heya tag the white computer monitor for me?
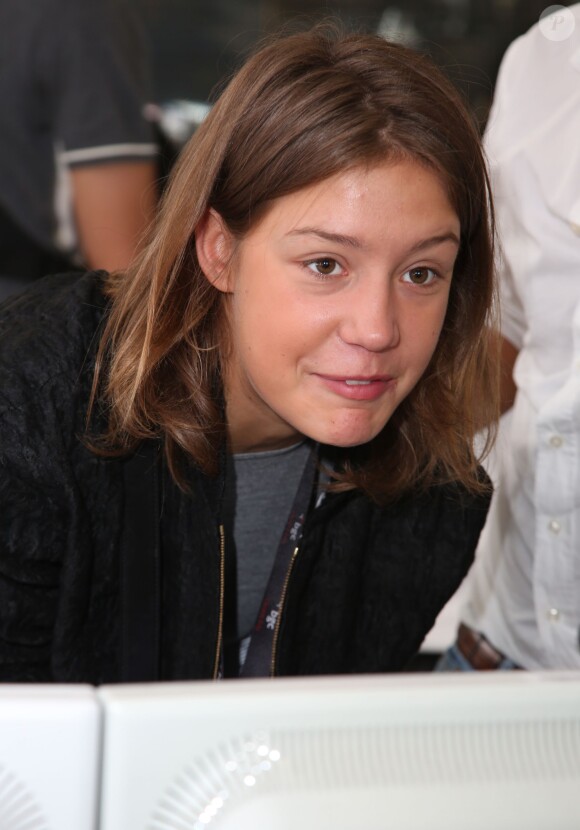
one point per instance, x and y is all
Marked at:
(487, 751)
(49, 757)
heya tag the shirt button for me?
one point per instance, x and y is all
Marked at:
(556, 441)
(553, 615)
(554, 526)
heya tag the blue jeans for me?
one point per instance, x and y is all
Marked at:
(453, 660)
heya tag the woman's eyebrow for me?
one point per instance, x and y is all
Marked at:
(338, 238)
(354, 242)
(438, 239)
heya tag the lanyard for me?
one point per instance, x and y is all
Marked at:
(259, 655)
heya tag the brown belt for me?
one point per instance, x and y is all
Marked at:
(478, 651)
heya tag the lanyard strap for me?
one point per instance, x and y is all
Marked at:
(259, 655)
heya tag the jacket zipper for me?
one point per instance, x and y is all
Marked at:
(280, 612)
(218, 650)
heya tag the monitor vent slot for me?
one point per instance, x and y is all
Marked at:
(18, 808)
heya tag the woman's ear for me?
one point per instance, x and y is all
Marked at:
(214, 245)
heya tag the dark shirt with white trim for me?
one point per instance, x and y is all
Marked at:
(73, 84)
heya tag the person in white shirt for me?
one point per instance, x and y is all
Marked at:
(523, 594)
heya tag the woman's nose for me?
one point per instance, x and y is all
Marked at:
(369, 317)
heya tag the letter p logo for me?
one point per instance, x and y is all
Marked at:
(557, 23)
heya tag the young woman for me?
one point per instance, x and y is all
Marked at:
(252, 453)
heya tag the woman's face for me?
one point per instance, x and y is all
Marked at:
(336, 300)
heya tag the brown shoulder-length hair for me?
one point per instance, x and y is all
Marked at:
(303, 108)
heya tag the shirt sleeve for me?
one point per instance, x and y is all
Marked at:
(34, 518)
(97, 71)
(44, 529)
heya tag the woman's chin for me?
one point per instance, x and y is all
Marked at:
(345, 438)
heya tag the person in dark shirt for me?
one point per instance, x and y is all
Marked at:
(252, 452)
(78, 159)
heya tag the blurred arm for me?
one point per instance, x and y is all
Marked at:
(113, 205)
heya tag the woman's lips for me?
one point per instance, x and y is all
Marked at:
(358, 388)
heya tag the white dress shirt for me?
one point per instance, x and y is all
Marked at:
(524, 590)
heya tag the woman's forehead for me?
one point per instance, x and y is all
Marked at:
(350, 207)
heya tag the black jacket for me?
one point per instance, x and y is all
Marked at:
(366, 587)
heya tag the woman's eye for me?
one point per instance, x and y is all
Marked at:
(420, 276)
(324, 267)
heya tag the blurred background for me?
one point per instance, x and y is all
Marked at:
(196, 44)
(82, 168)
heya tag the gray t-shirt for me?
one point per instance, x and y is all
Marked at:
(260, 490)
